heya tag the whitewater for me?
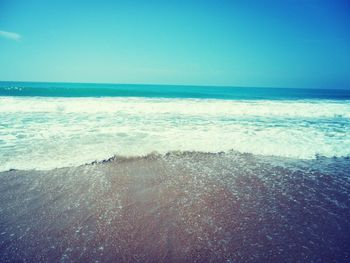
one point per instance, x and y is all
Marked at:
(52, 132)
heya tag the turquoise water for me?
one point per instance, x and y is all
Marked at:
(164, 91)
(48, 125)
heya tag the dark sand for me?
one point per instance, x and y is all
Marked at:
(181, 207)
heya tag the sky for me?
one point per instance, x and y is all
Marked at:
(270, 43)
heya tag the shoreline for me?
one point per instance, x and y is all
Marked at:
(282, 160)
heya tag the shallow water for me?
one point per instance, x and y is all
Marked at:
(179, 207)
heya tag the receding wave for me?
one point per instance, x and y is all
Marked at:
(179, 207)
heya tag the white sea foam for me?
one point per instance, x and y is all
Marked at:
(45, 133)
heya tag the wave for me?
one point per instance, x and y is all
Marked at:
(180, 107)
(45, 133)
(319, 162)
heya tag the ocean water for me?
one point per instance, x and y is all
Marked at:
(240, 175)
(50, 125)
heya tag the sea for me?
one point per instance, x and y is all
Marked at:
(51, 125)
(157, 173)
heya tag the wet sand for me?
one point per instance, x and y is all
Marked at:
(179, 207)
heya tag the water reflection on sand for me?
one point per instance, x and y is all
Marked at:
(178, 207)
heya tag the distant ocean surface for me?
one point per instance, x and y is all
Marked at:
(49, 125)
(52, 89)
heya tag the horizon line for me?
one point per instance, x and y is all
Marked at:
(178, 85)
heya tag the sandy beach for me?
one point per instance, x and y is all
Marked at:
(178, 207)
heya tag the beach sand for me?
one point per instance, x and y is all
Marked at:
(178, 207)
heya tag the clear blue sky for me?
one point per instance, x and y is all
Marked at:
(282, 43)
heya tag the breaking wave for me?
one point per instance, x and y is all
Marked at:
(45, 133)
